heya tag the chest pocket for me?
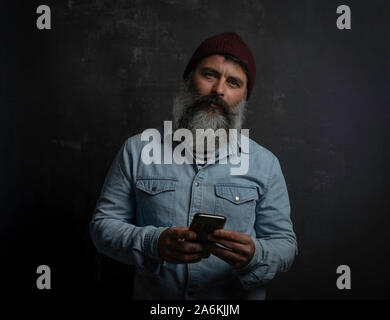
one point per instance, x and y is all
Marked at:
(237, 203)
(155, 199)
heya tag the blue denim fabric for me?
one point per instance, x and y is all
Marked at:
(139, 201)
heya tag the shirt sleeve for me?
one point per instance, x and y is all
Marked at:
(112, 227)
(275, 242)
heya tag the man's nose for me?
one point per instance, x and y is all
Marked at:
(219, 87)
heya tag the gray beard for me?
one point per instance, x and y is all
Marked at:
(202, 120)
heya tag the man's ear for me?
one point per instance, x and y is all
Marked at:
(189, 83)
(188, 79)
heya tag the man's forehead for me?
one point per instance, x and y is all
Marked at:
(218, 62)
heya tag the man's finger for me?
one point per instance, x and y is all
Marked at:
(240, 248)
(173, 260)
(182, 233)
(231, 235)
(188, 247)
(234, 259)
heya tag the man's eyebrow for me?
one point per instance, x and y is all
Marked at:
(238, 80)
(204, 69)
(209, 69)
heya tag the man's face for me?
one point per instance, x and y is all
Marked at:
(222, 77)
(214, 96)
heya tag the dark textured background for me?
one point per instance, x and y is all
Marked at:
(109, 69)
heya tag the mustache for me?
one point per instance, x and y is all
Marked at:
(205, 102)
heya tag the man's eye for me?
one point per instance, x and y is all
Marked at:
(234, 83)
(208, 75)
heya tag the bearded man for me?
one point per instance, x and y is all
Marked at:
(144, 211)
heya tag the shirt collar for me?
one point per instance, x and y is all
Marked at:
(235, 146)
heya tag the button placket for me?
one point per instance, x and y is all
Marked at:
(197, 192)
(195, 206)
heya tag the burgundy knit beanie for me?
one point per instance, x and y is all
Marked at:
(225, 43)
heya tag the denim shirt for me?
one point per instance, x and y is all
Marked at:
(138, 201)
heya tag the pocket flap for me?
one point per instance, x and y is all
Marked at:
(154, 186)
(236, 194)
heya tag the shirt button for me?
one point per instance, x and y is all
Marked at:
(237, 198)
(196, 184)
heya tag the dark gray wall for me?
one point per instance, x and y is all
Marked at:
(109, 69)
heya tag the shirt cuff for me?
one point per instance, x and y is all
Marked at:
(151, 241)
(244, 274)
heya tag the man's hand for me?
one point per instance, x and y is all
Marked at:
(174, 247)
(241, 247)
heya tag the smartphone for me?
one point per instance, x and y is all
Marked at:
(203, 224)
